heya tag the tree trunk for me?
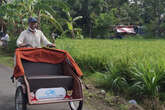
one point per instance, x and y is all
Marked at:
(86, 17)
(39, 19)
(73, 34)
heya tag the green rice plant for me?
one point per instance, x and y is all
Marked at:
(117, 77)
(132, 66)
(148, 78)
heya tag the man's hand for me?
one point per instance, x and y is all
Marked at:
(51, 45)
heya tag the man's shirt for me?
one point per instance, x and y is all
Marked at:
(35, 39)
(5, 38)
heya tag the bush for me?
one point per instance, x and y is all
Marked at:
(134, 67)
(12, 45)
(102, 24)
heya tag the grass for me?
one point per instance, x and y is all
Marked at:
(97, 53)
(6, 58)
(135, 67)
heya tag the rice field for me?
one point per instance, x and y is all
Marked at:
(96, 53)
(134, 66)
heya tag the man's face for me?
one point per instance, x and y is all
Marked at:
(33, 25)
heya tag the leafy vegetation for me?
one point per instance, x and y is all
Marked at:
(135, 67)
(6, 58)
(98, 17)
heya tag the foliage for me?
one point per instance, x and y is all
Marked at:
(11, 45)
(50, 15)
(76, 33)
(148, 78)
(6, 58)
(103, 23)
(98, 16)
(132, 67)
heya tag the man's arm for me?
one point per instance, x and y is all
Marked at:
(20, 40)
(46, 42)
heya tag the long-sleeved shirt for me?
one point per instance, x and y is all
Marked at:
(35, 39)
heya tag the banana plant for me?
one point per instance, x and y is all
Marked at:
(50, 17)
(70, 23)
(16, 13)
(50, 12)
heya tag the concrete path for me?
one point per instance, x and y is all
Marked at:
(7, 92)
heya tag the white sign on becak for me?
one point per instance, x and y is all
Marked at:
(47, 93)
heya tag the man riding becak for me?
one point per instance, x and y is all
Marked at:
(32, 37)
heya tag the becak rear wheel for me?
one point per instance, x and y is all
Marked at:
(76, 105)
(20, 99)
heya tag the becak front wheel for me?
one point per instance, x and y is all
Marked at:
(76, 105)
(20, 99)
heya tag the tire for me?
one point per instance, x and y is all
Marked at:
(76, 105)
(20, 99)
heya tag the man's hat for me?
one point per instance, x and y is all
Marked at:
(32, 20)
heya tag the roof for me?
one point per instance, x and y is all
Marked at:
(45, 55)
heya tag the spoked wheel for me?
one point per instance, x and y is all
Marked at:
(20, 99)
(76, 105)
